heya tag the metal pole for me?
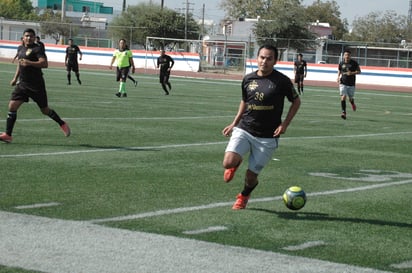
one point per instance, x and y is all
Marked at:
(186, 14)
(1, 27)
(63, 10)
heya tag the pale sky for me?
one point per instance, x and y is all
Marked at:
(350, 9)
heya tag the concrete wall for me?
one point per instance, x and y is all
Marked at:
(328, 73)
(190, 62)
(102, 56)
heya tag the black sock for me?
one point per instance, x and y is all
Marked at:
(69, 78)
(247, 190)
(11, 120)
(343, 104)
(54, 116)
(164, 88)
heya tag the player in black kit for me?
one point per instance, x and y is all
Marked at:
(300, 69)
(258, 123)
(72, 53)
(347, 71)
(29, 83)
(165, 62)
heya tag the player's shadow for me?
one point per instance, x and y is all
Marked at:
(91, 146)
(315, 216)
(120, 148)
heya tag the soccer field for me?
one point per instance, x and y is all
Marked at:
(151, 164)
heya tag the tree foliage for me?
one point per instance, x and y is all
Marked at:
(387, 27)
(144, 20)
(19, 10)
(280, 22)
(328, 12)
(245, 8)
(51, 24)
(282, 25)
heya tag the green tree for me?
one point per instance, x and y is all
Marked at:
(245, 8)
(51, 24)
(328, 12)
(282, 24)
(387, 27)
(144, 20)
(21, 10)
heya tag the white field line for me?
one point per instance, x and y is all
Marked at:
(305, 245)
(403, 265)
(205, 230)
(36, 206)
(63, 246)
(130, 118)
(191, 145)
(118, 149)
(52, 245)
(226, 204)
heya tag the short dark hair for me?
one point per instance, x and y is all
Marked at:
(300, 54)
(30, 30)
(347, 51)
(270, 47)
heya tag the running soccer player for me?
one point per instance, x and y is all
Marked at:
(29, 83)
(258, 123)
(347, 71)
(165, 62)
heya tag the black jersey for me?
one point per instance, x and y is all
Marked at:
(300, 66)
(30, 74)
(264, 98)
(72, 52)
(164, 62)
(346, 67)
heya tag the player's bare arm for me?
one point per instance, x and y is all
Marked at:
(293, 109)
(228, 129)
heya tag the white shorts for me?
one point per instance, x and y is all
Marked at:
(347, 90)
(261, 149)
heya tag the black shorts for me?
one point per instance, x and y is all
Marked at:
(299, 78)
(72, 67)
(121, 73)
(37, 92)
(164, 76)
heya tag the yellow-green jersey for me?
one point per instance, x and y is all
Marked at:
(123, 57)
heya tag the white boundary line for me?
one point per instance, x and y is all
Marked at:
(36, 206)
(227, 204)
(190, 145)
(53, 245)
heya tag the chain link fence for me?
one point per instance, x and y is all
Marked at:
(226, 53)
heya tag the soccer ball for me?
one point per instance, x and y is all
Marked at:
(294, 198)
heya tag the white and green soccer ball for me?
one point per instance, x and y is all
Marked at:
(294, 198)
